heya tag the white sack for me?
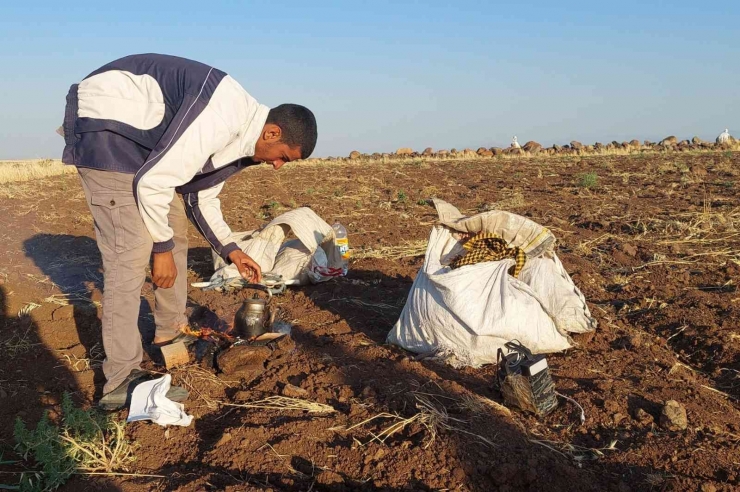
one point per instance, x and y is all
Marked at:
(297, 259)
(467, 314)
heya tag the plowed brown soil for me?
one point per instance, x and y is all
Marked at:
(653, 246)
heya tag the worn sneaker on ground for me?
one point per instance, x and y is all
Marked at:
(121, 396)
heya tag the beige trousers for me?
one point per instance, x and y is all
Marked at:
(126, 247)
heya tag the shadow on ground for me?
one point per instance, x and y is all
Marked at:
(389, 379)
(32, 381)
(74, 265)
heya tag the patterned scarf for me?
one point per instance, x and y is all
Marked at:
(485, 246)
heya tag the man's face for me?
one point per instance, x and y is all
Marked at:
(272, 150)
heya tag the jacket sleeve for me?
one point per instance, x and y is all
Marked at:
(204, 211)
(199, 129)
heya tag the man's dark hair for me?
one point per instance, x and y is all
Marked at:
(298, 125)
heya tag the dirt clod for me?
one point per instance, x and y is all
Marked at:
(644, 417)
(636, 340)
(629, 249)
(293, 391)
(224, 439)
(328, 477)
(281, 346)
(673, 416)
(243, 361)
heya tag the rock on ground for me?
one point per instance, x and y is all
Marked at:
(532, 147)
(669, 141)
(673, 416)
(292, 391)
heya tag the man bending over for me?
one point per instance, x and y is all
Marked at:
(142, 130)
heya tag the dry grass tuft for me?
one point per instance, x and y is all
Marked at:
(71, 298)
(477, 405)
(84, 442)
(284, 403)
(26, 309)
(399, 424)
(511, 200)
(406, 250)
(378, 307)
(576, 453)
(195, 378)
(19, 171)
(18, 343)
(94, 359)
(432, 416)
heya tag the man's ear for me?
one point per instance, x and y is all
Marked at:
(271, 132)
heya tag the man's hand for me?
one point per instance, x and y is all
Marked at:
(164, 271)
(248, 268)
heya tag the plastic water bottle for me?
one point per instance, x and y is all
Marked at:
(342, 243)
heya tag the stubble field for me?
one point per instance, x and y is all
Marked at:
(651, 240)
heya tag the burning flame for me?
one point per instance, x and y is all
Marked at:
(206, 334)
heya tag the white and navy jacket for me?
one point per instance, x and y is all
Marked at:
(178, 125)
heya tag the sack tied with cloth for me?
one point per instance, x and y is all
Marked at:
(488, 279)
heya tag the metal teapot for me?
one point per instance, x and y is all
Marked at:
(255, 316)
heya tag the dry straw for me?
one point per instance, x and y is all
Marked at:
(406, 250)
(433, 417)
(18, 171)
(284, 403)
(576, 453)
(191, 375)
(94, 456)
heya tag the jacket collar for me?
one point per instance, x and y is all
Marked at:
(243, 145)
(252, 130)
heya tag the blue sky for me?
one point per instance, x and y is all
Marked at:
(381, 75)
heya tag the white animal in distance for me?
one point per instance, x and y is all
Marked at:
(724, 137)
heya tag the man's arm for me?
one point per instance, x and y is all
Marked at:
(179, 156)
(199, 129)
(204, 211)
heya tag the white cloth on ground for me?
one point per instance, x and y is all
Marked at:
(149, 402)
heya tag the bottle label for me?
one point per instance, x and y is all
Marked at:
(343, 247)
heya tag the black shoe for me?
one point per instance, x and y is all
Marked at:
(121, 396)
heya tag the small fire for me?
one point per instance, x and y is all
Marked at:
(207, 334)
